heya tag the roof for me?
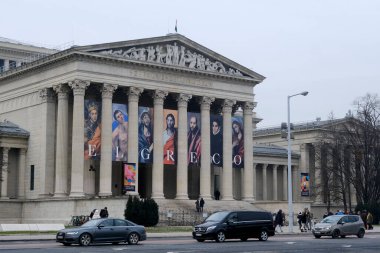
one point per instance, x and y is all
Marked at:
(8, 128)
(272, 150)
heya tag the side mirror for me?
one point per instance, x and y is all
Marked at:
(100, 226)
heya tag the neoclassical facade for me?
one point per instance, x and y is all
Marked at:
(162, 117)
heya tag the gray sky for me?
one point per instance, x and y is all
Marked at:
(330, 48)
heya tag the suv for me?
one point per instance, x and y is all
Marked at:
(235, 225)
(339, 225)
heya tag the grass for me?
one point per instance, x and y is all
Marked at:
(163, 229)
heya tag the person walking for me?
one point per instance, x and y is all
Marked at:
(369, 221)
(217, 194)
(279, 221)
(201, 205)
(197, 207)
(104, 213)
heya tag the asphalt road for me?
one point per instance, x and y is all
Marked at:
(283, 243)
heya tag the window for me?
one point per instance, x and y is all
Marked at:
(232, 217)
(107, 223)
(121, 223)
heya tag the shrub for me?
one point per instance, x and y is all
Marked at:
(142, 211)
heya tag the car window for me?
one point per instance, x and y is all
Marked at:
(121, 223)
(107, 223)
(345, 219)
(232, 217)
(353, 218)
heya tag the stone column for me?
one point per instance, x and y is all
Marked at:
(205, 174)
(105, 182)
(248, 152)
(227, 151)
(77, 158)
(182, 162)
(6, 65)
(62, 146)
(158, 149)
(254, 176)
(265, 180)
(285, 183)
(133, 125)
(47, 137)
(275, 197)
(21, 173)
(4, 174)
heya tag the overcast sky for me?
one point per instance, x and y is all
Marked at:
(330, 48)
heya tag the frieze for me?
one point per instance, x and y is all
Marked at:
(19, 102)
(174, 55)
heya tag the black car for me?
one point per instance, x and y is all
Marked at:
(235, 225)
(103, 231)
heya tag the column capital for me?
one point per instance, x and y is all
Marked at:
(206, 102)
(134, 93)
(108, 90)
(183, 99)
(275, 166)
(46, 95)
(159, 96)
(265, 165)
(79, 86)
(227, 105)
(62, 90)
(248, 107)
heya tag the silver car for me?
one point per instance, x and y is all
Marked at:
(103, 231)
(339, 225)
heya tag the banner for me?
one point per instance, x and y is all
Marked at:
(119, 132)
(92, 129)
(305, 184)
(129, 177)
(170, 136)
(216, 139)
(193, 138)
(237, 142)
(145, 135)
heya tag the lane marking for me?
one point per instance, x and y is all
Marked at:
(290, 243)
(346, 246)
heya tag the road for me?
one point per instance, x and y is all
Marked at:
(282, 243)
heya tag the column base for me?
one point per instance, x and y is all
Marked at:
(228, 198)
(105, 194)
(158, 196)
(59, 195)
(206, 197)
(182, 197)
(249, 199)
(76, 195)
(4, 197)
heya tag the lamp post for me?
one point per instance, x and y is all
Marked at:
(290, 194)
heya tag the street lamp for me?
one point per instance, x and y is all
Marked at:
(290, 197)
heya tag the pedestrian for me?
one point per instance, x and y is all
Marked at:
(363, 215)
(303, 220)
(217, 194)
(92, 213)
(197, 207)
(279, 220)
(104, 213)
(369, 221)
(299, 217)
(201, 205)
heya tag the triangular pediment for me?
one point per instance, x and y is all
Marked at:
(173, 50)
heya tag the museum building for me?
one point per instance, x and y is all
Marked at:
(162, 117)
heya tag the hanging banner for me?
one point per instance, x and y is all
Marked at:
(193, 138)
(119, 132)
(92, 129)
(145, 134)
(216, 139)
(129, 177)
(170, 136)
(305, 184)
(237, 142)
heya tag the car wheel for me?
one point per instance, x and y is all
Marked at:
(243, 239)
(220, 236)
(66, 244)
(361, 233)
(263, 235)
(85, 239)
(335, 234)
(317, 236)
(200, 240)
(133, 238)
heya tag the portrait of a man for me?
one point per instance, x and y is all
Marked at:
(92, 130)
(145, 135)
(216, 140)
(194, 139)
(170, 137)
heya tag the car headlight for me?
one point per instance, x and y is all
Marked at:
(210, 228)
(327, 228)
(72, 233)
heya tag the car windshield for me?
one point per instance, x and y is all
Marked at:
(331, 219)
(91, 223)
(216, 216)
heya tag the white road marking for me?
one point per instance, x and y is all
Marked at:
(290, 242)
(346, 246)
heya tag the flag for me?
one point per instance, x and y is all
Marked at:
(175, 25)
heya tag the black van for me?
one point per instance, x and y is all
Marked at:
(235, 225)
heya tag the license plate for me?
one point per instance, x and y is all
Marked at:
(198, 234)
(60, 237)
(317, 233)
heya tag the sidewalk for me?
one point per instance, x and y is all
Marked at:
(43, 237)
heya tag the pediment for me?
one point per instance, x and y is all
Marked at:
(173, 50)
